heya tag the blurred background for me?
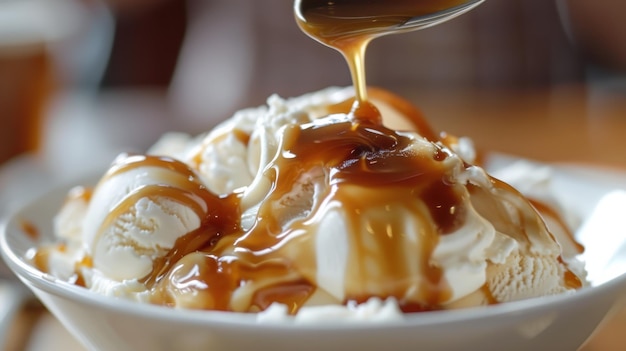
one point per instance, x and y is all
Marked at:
(217, 56)
(82, 80)
(185, 65)
(236, 53)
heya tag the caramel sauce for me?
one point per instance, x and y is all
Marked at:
(366, 166)
(370, 173)
(349, 25)
(547, 211)
(184, 186)
(30, 230)
(293, 295)
(79, 279)
(488, 296)
(358, 153)
(41, 256)
(363, 165)
(405, 109)
(571, 280)
(80, 192)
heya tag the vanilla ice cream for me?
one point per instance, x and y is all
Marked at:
(297, 207)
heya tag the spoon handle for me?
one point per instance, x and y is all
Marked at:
(420, 22)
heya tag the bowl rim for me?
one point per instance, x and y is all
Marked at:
(33, 277)
(46, 282)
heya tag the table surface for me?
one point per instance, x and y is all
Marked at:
(569, 123)
(579, 124)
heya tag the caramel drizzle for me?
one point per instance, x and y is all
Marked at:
(361, 154)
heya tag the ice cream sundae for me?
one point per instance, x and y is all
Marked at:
(301, 204)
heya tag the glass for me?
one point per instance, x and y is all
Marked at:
(36, 38)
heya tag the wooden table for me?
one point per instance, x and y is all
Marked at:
(569, 123)
(581, 124)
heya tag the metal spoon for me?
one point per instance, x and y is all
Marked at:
(349, 25)
(432, 19)
(334, 23)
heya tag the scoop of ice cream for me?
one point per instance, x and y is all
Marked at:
(300, 203)
(137, 212)
(381, 235)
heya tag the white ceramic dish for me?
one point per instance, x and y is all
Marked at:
(556, 323)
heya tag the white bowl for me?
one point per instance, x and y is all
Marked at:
(558, 322)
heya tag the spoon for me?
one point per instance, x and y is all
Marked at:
(349, 25)
(331, 21)
(420, 22)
